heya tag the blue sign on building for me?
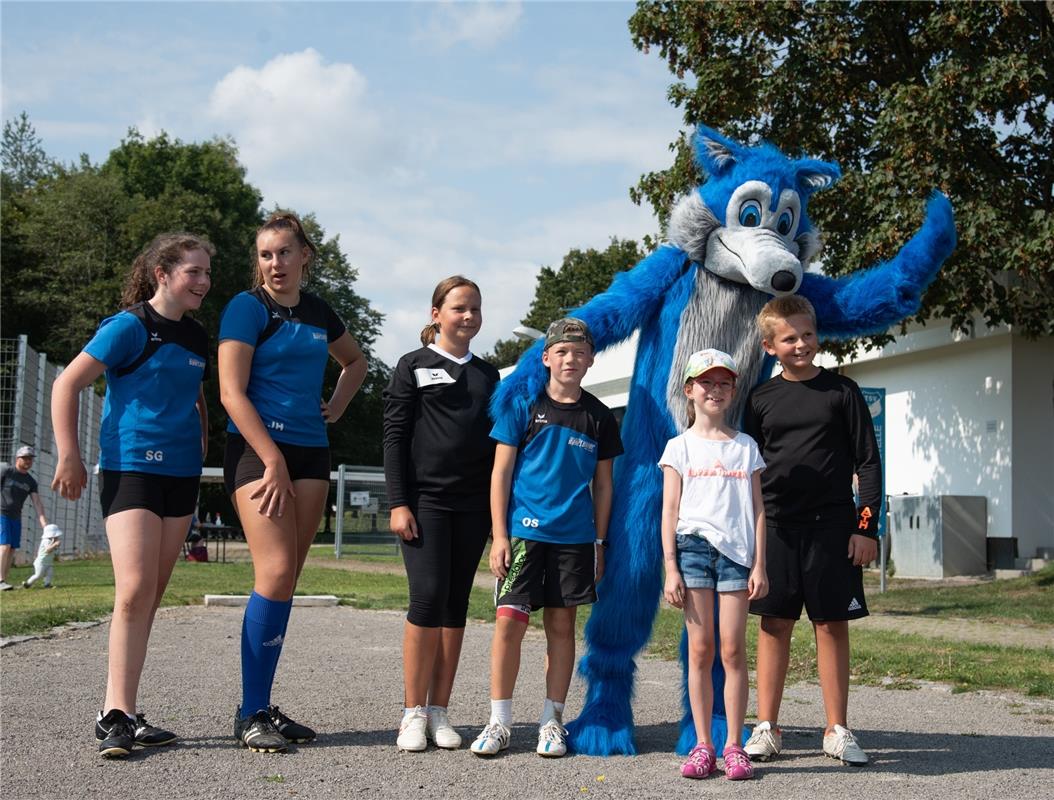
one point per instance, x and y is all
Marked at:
(876, 404)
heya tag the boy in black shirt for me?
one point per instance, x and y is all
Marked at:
(815, 433)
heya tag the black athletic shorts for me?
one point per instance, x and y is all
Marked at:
(241, 465)
(164, 495)
(811, 567)
(547, 575)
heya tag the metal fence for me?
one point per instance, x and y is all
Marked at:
(26, 377)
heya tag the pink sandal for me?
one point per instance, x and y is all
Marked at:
(702, 761)
(737, 763)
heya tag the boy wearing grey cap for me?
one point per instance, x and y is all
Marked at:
(16, 484)
(549, 530)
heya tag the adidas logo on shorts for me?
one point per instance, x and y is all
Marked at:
(854, 605)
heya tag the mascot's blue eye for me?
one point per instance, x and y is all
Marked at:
(783, 224)
(750, 214)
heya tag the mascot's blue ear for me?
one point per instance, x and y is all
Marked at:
(714, 153)
(813, 175)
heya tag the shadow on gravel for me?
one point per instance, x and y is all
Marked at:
(930, 753)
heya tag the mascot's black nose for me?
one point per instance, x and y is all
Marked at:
(783, 281)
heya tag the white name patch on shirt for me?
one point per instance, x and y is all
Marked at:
(432, 377)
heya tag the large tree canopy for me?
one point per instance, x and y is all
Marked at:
(70, 234)
(581, 275)
(906, 97)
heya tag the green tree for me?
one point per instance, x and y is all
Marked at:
(22, 154)
(581, 275)
(905, 97)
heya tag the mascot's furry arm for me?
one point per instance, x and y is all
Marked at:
(738, 239)
(871, 300)
(609, 317)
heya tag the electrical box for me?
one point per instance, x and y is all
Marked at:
(939, 536)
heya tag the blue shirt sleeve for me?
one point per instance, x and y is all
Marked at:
(119, 340)
(510, 428)
(243, 319)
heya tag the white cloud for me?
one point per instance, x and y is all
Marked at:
(296, 108)
(476, 24)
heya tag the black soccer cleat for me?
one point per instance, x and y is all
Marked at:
(259, 733)
(292, 731)
(148, 735)
(115, 734)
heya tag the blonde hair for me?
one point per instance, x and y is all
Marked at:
(166, 251)
(283, 221)
(443, 288)
(781, 308)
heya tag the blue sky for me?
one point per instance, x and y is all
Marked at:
(435, 138)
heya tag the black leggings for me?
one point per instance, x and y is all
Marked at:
(441, 564)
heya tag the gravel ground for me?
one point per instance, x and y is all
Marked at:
(340, 672)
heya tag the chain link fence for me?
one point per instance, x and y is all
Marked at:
(26, 377)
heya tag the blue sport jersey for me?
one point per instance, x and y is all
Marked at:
(154, 370)
(291, 350)
(559, 446)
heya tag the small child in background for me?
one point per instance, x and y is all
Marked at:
(43, 564)
(713, 541)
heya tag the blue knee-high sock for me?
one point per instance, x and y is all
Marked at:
(263, 631)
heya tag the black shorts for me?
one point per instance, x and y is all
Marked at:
(811, 567)
(547, 575)
(441, 564)
(241, 465)
(164, 495)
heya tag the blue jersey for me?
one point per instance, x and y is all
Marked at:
(291, 350)
(154, 370)
(559, 446)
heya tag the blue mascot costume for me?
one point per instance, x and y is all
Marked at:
(740, 238)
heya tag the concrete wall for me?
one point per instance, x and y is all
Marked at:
(949, 422)
(1033, 443)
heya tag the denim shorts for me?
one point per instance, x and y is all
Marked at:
(703, 567)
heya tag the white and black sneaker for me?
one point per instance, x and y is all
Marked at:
(258, 732)
(148, 735)
(115, 733)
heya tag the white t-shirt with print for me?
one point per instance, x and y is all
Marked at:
(716, 497)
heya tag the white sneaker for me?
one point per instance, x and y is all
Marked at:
(764, 743)
(413, 731)
(491, 740)
(552, 740)
(841, 744)
(441, 732)
(5, 586)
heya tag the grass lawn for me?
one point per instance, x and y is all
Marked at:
(85, 591)
(1028, 600)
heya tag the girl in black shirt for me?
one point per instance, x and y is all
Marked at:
(438, 457)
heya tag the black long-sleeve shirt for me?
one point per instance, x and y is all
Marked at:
(814, 435)
(437, 445)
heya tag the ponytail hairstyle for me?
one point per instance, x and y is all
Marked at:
(443, 288)
(283, 221)
(165, 251)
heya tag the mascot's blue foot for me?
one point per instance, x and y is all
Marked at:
(605, 726)
(596, 733)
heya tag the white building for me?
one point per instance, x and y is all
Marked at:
(965, 415)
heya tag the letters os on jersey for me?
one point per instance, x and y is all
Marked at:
(154, 370)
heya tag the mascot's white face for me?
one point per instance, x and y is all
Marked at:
(757, 244)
